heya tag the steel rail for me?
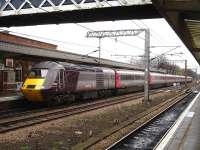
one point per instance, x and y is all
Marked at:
(29, 119)
(170, 103)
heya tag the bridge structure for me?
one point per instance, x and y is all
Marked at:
(182, 15)
(32, 12)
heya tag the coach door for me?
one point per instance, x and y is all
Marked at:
(62, 79)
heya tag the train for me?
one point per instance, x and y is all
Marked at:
(50, 81)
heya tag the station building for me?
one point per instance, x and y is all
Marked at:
(14, 67)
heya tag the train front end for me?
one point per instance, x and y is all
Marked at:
(34, 85)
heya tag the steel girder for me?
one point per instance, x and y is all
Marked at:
(16, 7)
(37, 12)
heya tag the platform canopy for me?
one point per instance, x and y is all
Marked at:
(184, 18)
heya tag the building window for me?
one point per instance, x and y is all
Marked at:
(18, 75)
(9, 62)
(1, 66)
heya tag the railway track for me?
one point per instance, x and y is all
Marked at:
(21, 106)
(144, 131)
(28, 118)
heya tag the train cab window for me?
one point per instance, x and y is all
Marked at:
(38, 73)
(44, 72)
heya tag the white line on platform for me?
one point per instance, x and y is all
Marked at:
(173, 129)
(190, 114)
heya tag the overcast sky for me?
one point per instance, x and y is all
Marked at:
(74, 39)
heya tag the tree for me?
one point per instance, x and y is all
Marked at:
(163, 63)
(191, 73)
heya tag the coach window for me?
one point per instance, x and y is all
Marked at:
(122, 77)
(126, 76)
(135, 77)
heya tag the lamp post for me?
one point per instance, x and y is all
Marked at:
(147, 64)
(185, 73)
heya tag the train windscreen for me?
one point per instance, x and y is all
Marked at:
(38, 73)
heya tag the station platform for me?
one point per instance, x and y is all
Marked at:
(10, 96)
(185, 133)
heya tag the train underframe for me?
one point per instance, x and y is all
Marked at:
(52, 98)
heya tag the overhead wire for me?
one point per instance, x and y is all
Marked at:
(48, 39)
(125, 43)
(152, 31)
(114, 38)
(152, 35)
(142, 38)
(64, 42)
(155, 33)
(77, 44)
(93, 30)
(139, 28)
(136, 24)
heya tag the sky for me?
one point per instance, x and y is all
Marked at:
(72, 38)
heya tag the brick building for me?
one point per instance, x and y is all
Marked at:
(14, 67)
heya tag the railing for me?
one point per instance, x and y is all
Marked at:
(17, 7)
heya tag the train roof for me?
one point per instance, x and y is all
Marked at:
(47, 65)
(66, 66)
(78, 67)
